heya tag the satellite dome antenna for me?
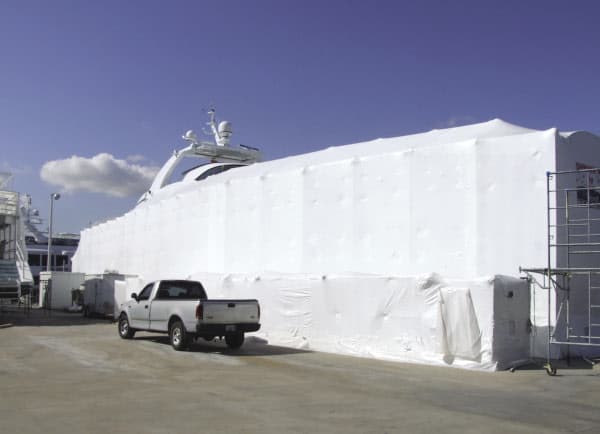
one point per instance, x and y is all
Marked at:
(190, 136)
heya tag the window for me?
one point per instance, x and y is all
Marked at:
(588, 186)
(65, 241)
(61, 260)
(145, 294)
(180, 290)
(34, 260)
(216, 170)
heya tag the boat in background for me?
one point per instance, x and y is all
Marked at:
(24, 246)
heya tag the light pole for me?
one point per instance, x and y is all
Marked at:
(53, 197)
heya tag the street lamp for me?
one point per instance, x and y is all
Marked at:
(53, 197)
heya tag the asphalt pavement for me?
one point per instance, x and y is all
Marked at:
(62, 373)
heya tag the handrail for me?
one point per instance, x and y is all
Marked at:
(25, 271)
(9, 254)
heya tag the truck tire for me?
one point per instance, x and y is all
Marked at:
(178, 336)
(234, 340)
(125, 330)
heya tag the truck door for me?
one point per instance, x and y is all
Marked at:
(161, 308)
(139, 314)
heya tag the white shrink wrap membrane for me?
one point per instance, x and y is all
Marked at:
(475, 324)
(463, 202)
(458, 202)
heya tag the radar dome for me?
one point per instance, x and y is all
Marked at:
(225, 128)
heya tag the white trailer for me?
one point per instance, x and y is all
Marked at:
(57, 289)
(104, 293)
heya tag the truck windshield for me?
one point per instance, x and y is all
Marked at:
(180, 290)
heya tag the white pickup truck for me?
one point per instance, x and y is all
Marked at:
(181, 308)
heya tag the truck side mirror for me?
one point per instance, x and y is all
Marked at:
(134, 296)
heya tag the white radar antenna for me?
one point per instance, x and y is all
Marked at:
(223, 132)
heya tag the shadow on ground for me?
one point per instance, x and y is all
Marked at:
(573, 363)
(253, 346)
(20, 317)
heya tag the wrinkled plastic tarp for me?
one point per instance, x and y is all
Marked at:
(424, 320)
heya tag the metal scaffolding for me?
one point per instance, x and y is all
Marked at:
(572, 274)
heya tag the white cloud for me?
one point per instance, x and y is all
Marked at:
(136, 158)
(102, 173)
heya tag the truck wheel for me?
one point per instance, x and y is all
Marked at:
(234, 340)
(125, 330)
(179, 338)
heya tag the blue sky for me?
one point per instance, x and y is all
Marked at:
(127, 78)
